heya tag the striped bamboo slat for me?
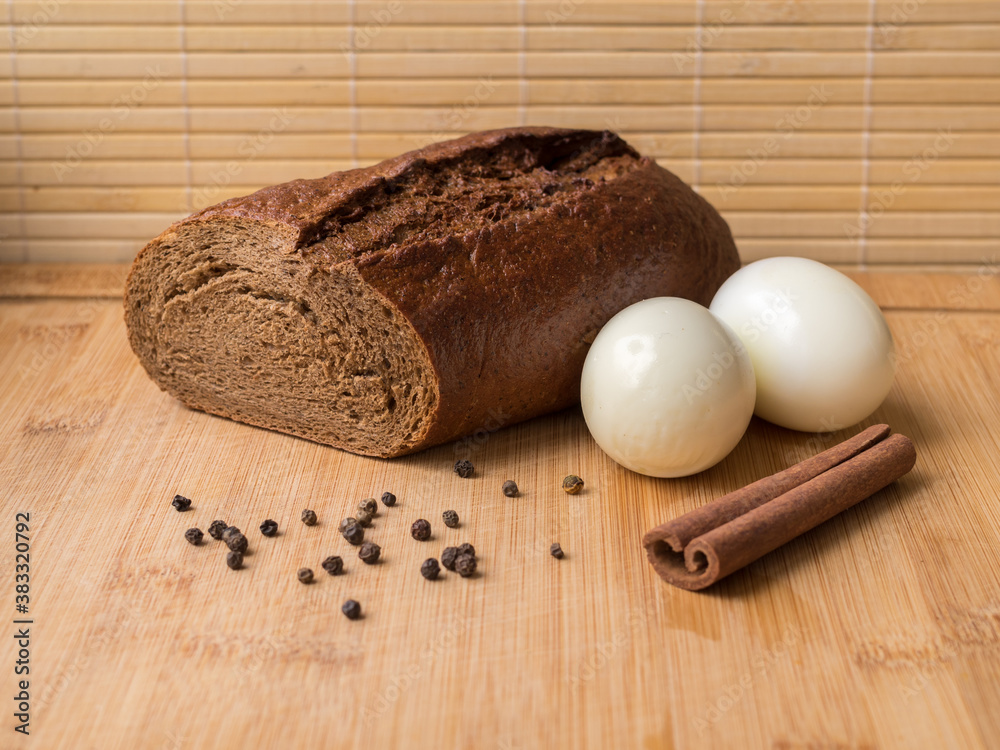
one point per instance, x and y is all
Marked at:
(854, 132)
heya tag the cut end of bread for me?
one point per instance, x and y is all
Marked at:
(230, 320)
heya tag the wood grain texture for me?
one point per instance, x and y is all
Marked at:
(878, 630)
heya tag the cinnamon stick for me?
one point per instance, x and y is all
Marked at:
(697, 549)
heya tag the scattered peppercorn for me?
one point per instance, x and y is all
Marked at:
(364, 518)
(237, 542)
(234, 559)
(230, 531)
(450, 519)
(216, 528)
(351, 609)
(421, 530)
(510, 488)
(334, 565)
(556, 551)
(181, 503)
(465, 565)
(466, 549)
(572, 484)
(464, 468)
(429, 569)
(309, 517)
(370, 505)
(305, 575)
(347, 522)
(354, 534)
(269, 528)
(448, 557)
(388, 499)
(194, 536)
(369, 553)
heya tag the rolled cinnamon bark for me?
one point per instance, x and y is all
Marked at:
(697, 549)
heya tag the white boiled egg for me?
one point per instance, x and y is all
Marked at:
(821, 349)
(667, 388)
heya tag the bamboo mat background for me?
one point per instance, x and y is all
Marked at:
(850, 131)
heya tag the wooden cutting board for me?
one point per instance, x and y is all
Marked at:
(880, 629)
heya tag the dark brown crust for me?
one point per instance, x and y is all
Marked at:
(306, 205)
(507, 311)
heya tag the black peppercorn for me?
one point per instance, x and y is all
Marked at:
(572, 484)
(194, 536)
(450, 519)
(351, 609)
(333, 565)
(229, 532)
(421, 530)
(347, 522)
(388, 499)
(464, 468)
(556, 551)
(234, 559)
(369, 553)
(369, 505)
(465, 565)
(269, 528)
(448, 557)
(181, 503)
(466, 549)
(216, 528)
(237, 542)
(309, 517)
(430, 569)
(510, 488)
(354, 534)
(364, 518)
(305, 575)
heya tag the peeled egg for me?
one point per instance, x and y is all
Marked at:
(667, 388)
(821, 349)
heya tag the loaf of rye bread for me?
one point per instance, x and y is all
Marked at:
(388, 309)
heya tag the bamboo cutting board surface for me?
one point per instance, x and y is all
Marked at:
(849, 131)
(880, 629)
